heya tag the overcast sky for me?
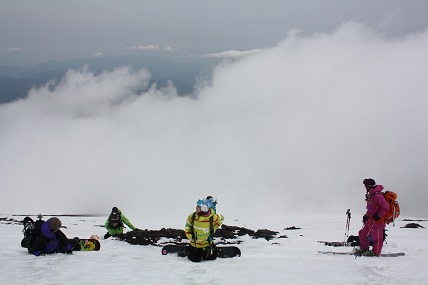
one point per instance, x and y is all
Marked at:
(295, 126)
(35, 31)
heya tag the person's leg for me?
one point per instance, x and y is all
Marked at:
(194, 254)
(363, 235)
(377, 236)
(210, 253)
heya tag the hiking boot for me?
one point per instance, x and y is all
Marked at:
(369, 253)
(360, 251)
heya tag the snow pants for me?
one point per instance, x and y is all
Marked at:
(197, 254)
(373, 229)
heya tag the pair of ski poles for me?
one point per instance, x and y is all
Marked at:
(348, 222)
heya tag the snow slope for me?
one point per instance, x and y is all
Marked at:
(294, 260)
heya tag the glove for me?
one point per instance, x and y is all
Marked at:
(376, 217)
(365, 219)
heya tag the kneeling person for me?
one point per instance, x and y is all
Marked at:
(200, 228)
(115, 223)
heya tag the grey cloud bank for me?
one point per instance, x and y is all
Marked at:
(37, 31)
(292, 128)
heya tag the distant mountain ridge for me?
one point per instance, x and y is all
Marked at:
(16, 81)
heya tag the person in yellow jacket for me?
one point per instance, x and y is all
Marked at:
(199, 229)
(115, 223)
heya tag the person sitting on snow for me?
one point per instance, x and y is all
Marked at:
(199, 229)
(51, 239)
(115, 223)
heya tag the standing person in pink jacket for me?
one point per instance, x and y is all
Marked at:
(374, 225)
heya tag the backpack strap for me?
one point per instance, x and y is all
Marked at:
(192, 228)
(373, 200)
(211, 226)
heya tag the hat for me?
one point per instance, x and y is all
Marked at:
(54, 223)
(369, 182)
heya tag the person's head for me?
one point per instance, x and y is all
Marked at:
(114, 210)
(54, 224)
(201, 207)
(369, 183)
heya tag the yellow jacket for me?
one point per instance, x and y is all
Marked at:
(201, 228)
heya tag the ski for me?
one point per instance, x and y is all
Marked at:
(394, 254)
(335, 243)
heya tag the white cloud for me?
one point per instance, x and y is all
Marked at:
(232, 54)
(15, 50)
(295, 128)
(170, 48)
(145, 48)
(98, 54)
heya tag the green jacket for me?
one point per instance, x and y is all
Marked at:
(201, 228)
(119, 230)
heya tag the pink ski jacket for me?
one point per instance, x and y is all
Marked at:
(376, 203)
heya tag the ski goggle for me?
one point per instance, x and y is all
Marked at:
(201, 204)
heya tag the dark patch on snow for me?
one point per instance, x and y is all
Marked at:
(8, 221)
(291, 228)
(413, 226)
(226, 235)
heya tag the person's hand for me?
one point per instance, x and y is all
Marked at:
(365, 219)
(376, 217)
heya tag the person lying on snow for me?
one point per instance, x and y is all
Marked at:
(48, 238)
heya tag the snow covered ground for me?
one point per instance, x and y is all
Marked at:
(294, 260)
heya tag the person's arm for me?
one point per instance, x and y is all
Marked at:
(38, 245)
(188, 227)
(127, 222)
(218, 220)
(107, 224)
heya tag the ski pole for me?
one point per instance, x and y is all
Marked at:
(348, 222)
(393, 217)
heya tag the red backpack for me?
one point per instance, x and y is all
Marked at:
(394, 207)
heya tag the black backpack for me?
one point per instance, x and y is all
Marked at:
(31, 231)
(115, 220)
